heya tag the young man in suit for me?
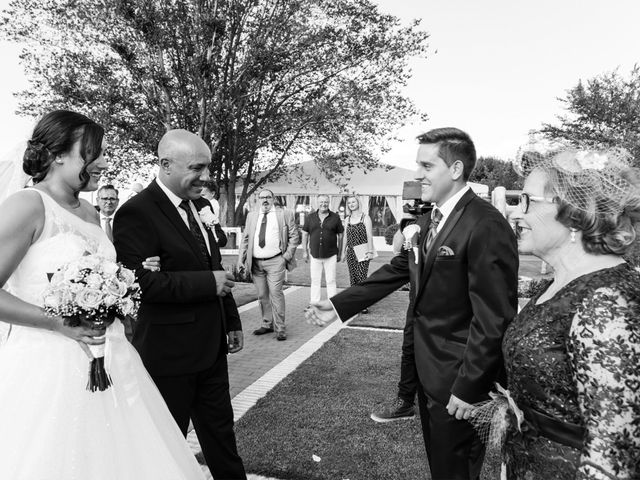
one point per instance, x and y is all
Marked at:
(188, 320)
(267, 250)
(465, 268)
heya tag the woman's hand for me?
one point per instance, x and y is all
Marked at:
(85, 336)
(152, 264)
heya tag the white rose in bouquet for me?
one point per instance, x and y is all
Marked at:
(113, 286)
(127, 277)
(89, 298)
(127, 306)
(93, 280)
(110, 300)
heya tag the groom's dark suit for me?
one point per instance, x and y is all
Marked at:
(182, 323)
(466, 296)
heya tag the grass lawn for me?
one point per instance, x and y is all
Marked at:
(323, 409)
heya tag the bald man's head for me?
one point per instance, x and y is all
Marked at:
(184, 163)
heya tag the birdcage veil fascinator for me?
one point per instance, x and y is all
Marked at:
(598, 181)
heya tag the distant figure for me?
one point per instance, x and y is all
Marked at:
(358, 236)
(107, 204)
(321, 238)
(268, 250)
(210, 192)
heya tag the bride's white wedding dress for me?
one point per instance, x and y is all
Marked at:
(51, 426)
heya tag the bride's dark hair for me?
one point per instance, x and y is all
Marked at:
(54, 135)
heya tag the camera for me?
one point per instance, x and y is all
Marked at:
(412, 193)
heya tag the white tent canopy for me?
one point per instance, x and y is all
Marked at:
(308, 180)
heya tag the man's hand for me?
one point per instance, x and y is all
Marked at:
(305, 256)
(320, 313)
(461, 409)
(224, 282)
(235, 341)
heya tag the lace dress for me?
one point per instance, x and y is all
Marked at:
(575, 359)
(51, 427)
(356, 234)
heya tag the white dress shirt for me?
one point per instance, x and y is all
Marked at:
(448, 206)
(271, 238)
(176, 201)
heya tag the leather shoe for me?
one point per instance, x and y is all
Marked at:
(262, 331)
(281, 336)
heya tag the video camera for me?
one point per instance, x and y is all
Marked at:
(412, 191)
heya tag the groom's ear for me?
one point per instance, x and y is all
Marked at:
(165, 164)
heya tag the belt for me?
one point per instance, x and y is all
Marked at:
(268, 258)
(565, 433)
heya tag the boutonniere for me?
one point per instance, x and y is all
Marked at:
(208, 218)
(411, 233)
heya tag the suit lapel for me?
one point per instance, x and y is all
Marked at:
(171, 212)
(452, 220)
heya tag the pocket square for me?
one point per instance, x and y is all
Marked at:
(445, 251)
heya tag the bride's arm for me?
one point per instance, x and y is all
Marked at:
(21, 223)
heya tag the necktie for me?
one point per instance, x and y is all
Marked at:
(436, 216)
(263, 231)
(107, 228)
(194, 226)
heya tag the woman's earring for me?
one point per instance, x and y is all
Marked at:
(573, 235)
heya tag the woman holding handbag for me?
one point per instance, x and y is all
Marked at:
(357, 247)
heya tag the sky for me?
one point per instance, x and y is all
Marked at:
(494, 68)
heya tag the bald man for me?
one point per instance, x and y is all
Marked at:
(188, 320)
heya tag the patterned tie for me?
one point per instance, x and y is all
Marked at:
(263, 231)
(436, 216)
(194, 226)
(107, 228)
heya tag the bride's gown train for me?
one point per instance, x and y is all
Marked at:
(51, 427)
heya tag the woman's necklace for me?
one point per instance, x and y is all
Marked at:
(65, 205)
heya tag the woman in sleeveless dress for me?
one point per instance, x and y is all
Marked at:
(358, 231)
(52, 427)
(572, 353)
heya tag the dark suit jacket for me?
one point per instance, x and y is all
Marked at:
(463, 303)
(182, 323)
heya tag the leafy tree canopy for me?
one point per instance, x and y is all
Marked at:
(604, 110)
(496, 173)
(264, 82)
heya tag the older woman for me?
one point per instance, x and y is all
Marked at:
(572, 354)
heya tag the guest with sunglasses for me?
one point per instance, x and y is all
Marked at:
(572, 353)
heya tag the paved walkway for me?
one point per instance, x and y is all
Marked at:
(264, 361)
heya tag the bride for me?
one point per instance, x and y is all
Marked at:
(51, 426)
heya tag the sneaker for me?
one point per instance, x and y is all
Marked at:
(398, 410)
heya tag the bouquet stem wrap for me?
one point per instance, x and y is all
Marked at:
(99, 379)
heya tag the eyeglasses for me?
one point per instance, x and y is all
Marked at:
(266, 197)
(109, 199)
(526, 199)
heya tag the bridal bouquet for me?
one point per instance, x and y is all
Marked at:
(92, 291)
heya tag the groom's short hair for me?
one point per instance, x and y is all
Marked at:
(453, 145)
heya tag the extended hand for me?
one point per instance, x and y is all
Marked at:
(152, 264)
(224, 282)
(235, 341)
(461, 409)
(320, 313)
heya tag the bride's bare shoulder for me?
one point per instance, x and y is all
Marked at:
(23, 202)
